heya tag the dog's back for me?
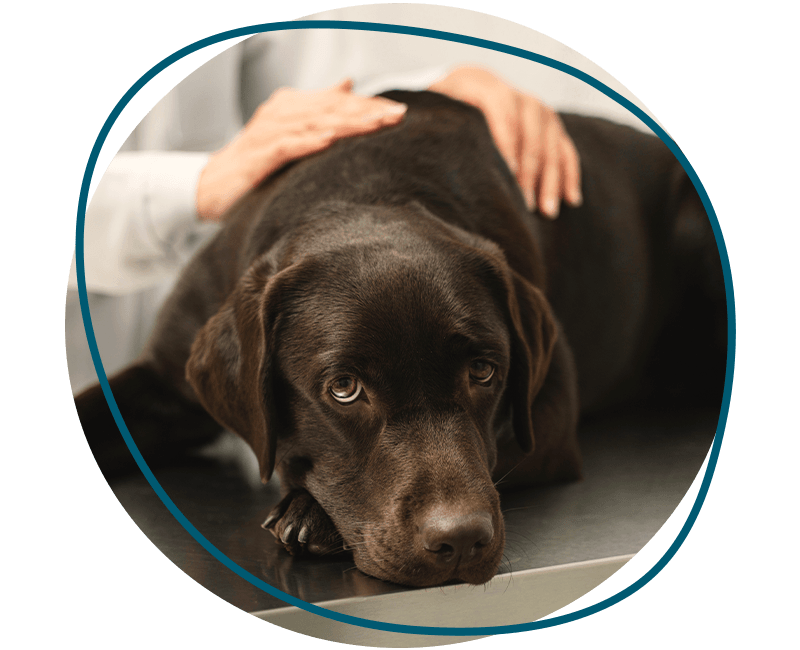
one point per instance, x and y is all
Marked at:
(634, 274)
(638, 253)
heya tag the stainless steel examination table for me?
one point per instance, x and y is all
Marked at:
(562, 540)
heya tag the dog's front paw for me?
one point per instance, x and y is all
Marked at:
(301, 525)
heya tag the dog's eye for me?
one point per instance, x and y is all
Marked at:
(345, 389)
(481, 372)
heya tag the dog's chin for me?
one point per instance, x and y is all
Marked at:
(415, 573)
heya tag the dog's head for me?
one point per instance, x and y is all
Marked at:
(376, 370)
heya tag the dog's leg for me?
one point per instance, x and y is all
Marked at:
(300, 524)
(162, 422)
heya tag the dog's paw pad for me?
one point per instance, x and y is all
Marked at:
(300, 524)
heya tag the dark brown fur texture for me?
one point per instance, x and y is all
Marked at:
(403, 259)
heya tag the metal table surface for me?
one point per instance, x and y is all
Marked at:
(562, 540)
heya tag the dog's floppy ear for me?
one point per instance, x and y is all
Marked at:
(533, 332)
(230, 365)
(533, 337)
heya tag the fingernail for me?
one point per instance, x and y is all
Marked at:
(268, 521)
(550, 208)
(302, 536)
(529, 200)
(377, 117)
(577, 199)
(394, 109)
(286, 532)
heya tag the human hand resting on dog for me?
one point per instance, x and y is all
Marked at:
(292, 124)
(289, 125)
(529, 135)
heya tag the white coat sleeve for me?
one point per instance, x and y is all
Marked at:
(303, 60)
(141, 224)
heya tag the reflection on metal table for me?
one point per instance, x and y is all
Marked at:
(562, 540)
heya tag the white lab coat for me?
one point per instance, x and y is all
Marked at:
(141, 226)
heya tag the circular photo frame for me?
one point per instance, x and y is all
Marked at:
(639, 463)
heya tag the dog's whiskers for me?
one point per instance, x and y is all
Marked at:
(505, 510)
(507, 562)
(504, 476)
(526, 538)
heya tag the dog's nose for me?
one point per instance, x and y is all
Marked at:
(455, 535)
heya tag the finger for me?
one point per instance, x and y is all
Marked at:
(344, 86)
(373, 121)
(549, 197)
(502, 116)
(367, 116)
(343, 124)
(371, 115)
(286, 104)
(363, 106)
(384, 110)
(570, 170)
(530, 149)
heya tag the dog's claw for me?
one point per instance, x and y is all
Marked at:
(302, 536)
(300, 524)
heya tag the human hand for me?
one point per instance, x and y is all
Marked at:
(528, 134)
(289, 125)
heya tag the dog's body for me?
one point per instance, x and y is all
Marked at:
(389, 328)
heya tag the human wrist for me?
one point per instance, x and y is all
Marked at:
(220, 182)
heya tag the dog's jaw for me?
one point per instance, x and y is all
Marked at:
(412, 515)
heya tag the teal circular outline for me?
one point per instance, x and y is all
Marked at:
(456, 38)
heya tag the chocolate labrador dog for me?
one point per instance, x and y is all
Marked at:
(393, 332)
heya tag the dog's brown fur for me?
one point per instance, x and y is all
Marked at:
(400, 259)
